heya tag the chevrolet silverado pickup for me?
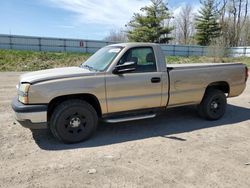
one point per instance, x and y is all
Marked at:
(122, 82)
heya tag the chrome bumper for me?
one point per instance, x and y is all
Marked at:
(30, 116)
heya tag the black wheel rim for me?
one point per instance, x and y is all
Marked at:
(216, 106)
(75, 123)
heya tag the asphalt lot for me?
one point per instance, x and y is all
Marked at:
(176, 149)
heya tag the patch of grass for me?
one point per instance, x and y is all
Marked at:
(203, 59)
(15, 60)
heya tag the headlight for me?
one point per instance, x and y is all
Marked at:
(23, 93)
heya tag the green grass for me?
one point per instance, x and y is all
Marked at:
(14, 60)
(203, 59)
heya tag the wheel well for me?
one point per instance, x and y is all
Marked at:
(223, 86)
(91, 99)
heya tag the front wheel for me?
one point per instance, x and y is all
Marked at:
(73, 121)
(213, 105)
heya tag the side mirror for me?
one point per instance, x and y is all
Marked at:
(125, 68)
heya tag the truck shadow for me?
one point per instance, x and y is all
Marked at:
(174, 121)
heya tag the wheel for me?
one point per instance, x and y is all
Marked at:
(213, 105)
(73, 121)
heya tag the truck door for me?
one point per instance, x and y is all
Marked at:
(140, 89)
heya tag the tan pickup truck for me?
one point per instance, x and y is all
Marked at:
(122, 82)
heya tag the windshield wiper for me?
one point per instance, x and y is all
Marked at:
(90, 68)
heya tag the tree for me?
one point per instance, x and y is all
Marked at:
(238, 11)
(234, 21)
(184, 25)
(207, 25)
(245, 36)
(116, 36)
(149, 26)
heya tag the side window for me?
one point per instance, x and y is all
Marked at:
(143, 57)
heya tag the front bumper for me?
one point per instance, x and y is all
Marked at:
(30, 116)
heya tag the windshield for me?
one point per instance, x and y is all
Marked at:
(102, 58)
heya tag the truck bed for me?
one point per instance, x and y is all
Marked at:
(190, 80)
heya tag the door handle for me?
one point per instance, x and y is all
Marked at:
(155, 79)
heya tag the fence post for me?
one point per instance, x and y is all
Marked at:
(245, 51)
(64, 45)
(86, 43)
(10, 37)
(174, 49)
(39, 44)
(188, 51)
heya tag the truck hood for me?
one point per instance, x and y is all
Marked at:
(57, 73)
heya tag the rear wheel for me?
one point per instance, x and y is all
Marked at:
(73, 121)
(213, 105)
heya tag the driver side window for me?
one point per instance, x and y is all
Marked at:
(143, 57)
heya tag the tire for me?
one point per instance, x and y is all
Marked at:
(73, 121)
(213, 105)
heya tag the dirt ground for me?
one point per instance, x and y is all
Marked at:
(176, 149)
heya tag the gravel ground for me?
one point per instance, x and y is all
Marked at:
(176, 149)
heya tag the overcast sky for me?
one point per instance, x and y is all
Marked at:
(88, 19)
